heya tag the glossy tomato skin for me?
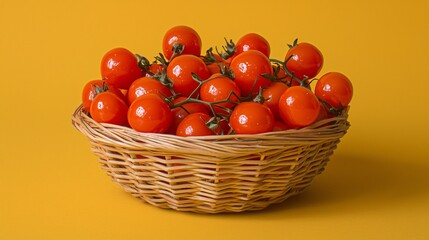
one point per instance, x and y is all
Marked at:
(252, 118)
(145, 85)
(194, 125)
(306, 60)
(272, 96)
(119, 67)
(248, 67)
(184, 35)
(335, 88)
(90, 91)
(180, 72)
(107, 107)
(299, 107)
(179, 113)
(149, 113)
(219, 88)
(253, 41)
(154, 69)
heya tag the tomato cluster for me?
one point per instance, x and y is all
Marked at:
(238, 90)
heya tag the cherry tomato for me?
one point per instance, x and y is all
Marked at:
(191, 107)
(224, 126)
(194, 125)
(107, 107)
(280, 126)
(334, 88)
(272, 96)
(184, 35)
(146, 85)
(154, 69)
(150, 113)
(251, 118)
(306, 60)
(180, 72)
(219, 88)
(119, 67)
(280, 72)
(248, 67)
(214, 67)
(90, 91)
(253, 41)
(323, 114)
(299, 107)
(179, 113)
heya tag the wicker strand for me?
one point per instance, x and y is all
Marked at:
(212, 174)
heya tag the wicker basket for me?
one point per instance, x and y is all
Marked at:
(212, 174)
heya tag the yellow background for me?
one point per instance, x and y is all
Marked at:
(374, 187)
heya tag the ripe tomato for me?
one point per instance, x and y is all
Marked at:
(90, 90)
(253, 41)
(248, 67)
(272, 96)
(107, 107)
(154, 69)
(280, 126)
(184, 35)
(191, 107)
(299, 107)
(219, 88)
(224, 127)
(119, 67)
(323, 113)
(214, 67)
(149, 113)
(180, 72)
(251, 118)
(306, 60)
(146, 85)
(334, 88)
(194, 125)
(179, 113)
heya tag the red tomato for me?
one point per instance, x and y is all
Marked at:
(149, 113)
(194, 125)
(179, 113)
(107, 107)
(154, 69)
(146, 85)
(90, 91)
(253, 41)
(280, 72)
(119, 67)
(334, 88)
(306, 60)
(251, 118)
(299, 107)
(184, 35)
(272, 96)
(191, 107)
(280, 126)
(224, 125)
(323, 114)
(219, 88)
(248, 67)
(180, 72)
(215, 66)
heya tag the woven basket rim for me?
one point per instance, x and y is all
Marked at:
(317, 128)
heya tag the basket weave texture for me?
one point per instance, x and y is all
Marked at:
(213, 174)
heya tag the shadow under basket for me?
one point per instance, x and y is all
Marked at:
(213, 174)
